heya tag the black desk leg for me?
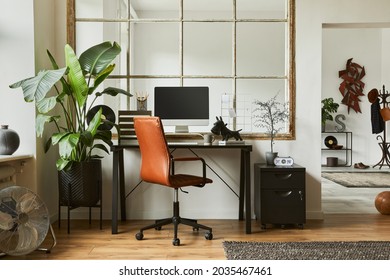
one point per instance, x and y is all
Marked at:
(248, 217)
(245, 190)
(122, 195)
(115, 184)
(242, 187)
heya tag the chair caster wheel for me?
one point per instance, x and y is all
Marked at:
(208, 235)
(139, 236)
(176, 242)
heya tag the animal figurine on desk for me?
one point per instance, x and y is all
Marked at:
(220, 128)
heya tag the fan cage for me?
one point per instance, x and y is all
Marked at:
(24, 221)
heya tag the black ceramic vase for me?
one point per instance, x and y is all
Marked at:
(9, 140)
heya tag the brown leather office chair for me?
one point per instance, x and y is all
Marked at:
(157, 166)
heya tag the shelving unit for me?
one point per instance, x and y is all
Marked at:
(346, 141)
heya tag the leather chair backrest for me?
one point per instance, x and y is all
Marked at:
(155, 157)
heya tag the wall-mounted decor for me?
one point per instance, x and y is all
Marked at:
(352, 86)
(108, 115)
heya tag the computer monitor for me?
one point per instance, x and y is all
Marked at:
(182, 106)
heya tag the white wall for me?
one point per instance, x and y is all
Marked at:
(311, 14)
(27, 29)
(17, 58)
(385, 70)
(364, 45)
(50, 37)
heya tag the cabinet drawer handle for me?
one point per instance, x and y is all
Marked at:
(283, 193)
(283, 176)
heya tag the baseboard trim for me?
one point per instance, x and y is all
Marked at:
(315, 215)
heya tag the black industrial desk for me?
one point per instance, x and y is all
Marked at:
(118, 179)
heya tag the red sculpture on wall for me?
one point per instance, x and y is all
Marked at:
(352, 86)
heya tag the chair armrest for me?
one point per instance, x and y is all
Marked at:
(191, 159)
(188, 159)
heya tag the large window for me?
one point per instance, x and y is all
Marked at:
(242, 49)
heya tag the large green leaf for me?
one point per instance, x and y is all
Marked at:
(57, 137)
(46, 104)
(113, 91)
(63, 164)
(76, 76)
(97, 58)
(65, 86)
(36, 88)
(101, 77)
(47, 145)
(86, 138)
(67, 145)
(95, 122)
(105, 136)
(40, 122)
(101, 147)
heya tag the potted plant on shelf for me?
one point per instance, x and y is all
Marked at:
(328, 107)
(80, 129)
(270, 115)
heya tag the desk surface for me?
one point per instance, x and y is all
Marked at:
(129, 145)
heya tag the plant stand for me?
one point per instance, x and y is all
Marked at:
(80, 187)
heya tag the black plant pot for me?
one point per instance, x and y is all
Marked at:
(81, 186)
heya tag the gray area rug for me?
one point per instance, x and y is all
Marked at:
(316, 250)
(359, 179)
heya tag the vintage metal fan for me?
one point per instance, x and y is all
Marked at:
(24, 222)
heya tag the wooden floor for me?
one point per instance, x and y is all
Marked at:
(89, 242)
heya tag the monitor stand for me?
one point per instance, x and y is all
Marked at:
(181, 129)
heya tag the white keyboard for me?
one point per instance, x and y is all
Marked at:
(183, 143)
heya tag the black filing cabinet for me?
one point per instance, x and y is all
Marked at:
(280, 195)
